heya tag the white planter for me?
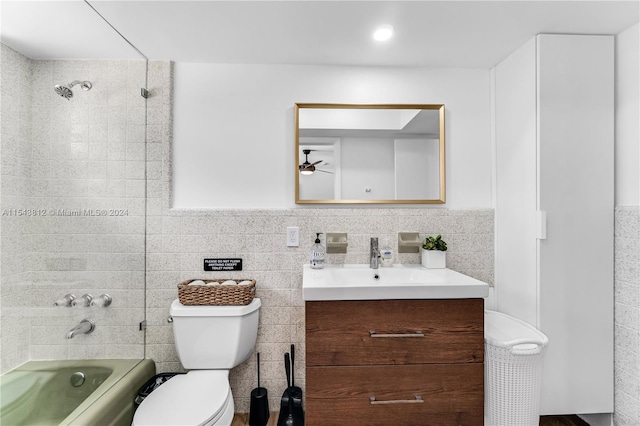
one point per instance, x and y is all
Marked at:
(434, 259)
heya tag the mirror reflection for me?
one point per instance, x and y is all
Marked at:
(381, 153)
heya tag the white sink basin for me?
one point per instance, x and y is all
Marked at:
(359, 282)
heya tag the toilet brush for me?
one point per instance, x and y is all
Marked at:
(289, 415)
(259, 408)
(295, 392)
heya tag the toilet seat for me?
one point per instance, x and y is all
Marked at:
(198, 398)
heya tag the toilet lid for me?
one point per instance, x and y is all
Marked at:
(195, 398)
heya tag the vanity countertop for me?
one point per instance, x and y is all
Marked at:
(360, 282)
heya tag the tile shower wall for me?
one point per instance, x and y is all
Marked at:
(627, 316)
(71, 162)
(15, 139)
(178, 241)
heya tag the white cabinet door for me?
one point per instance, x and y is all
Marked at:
(575, 175)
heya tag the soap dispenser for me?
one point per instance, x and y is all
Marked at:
(317, 253)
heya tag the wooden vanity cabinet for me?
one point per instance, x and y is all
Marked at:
(395, 362)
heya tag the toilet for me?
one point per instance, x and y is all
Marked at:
(210, 341)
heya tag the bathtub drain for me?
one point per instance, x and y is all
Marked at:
(77, 379)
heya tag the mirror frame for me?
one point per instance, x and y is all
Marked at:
(439, 107)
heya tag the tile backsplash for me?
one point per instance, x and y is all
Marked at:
(180, 240)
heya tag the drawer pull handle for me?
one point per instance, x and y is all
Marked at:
(414, 334)
(418, 400)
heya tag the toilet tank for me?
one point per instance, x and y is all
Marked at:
(214, 337)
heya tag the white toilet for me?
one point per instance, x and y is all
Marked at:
(210, 340)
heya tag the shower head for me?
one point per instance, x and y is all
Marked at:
(65, 91)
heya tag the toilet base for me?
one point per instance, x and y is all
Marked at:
(227, 416)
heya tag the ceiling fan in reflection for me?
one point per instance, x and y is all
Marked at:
(308, 168)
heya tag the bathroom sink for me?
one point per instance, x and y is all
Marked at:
(360, 282)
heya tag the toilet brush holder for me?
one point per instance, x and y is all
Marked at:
(259, 408)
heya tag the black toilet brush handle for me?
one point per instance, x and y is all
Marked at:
(293, 360)
(287, 369)
(258, 361)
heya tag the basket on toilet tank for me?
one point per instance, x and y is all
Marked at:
(217, 291)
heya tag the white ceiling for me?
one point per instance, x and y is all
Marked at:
(469, 34)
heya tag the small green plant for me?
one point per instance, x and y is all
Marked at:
(434, 243)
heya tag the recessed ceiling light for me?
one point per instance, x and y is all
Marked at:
(383, 33)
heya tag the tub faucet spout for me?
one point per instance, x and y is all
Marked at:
(86, 326)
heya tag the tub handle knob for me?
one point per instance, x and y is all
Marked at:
(169, 319)
(65, 301)
(102, 301)
(84, 300)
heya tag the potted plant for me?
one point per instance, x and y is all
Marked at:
(433, 253)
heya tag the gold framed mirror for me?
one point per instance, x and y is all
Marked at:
(369, 153)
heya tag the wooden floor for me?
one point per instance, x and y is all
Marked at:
(562, 421)
(243, 420)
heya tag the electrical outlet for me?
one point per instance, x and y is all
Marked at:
(293, 236)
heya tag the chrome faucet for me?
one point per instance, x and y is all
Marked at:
(86, 326)
(374, 254)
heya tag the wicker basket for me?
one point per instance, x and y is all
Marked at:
(513, 361)
(216, 294)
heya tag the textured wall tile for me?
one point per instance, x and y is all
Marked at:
(277, 268)
(627, 328)
(626, 408)
(627, 315)
(116, 149)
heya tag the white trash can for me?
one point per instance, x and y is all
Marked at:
(514, 355)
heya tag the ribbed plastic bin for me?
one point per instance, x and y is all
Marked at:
(514, 356)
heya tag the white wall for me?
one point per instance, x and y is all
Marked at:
(627, 114)
(363, 159)
(234, 130)
(317, 186)
(410, 168)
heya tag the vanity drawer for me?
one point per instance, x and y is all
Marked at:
(450, 394)
(376, 332)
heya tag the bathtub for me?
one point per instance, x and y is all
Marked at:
(75, 392)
